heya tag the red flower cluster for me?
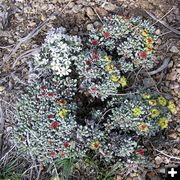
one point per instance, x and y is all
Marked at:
(94, 42)
(54, 124)
(66, 144)
(95, 55)
(43, 92)
(49, 116)
(140, 151)
(106, 35)
(51, 94)
(143, 55)
(53, 153)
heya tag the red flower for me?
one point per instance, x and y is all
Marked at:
(95, 56)
(50, 116)
(95, 51)
(88, 62)
(106, 35)
(94, 42)
(149, 40)
(51, 94)
(62, 153)
(143, 55)
(54, 124)
(43, 93)
(53, 153)
(66, 144)
(43, 88)
(94, 89)
(140, 151)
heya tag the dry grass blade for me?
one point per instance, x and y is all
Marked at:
(1, 128)
(163, 23)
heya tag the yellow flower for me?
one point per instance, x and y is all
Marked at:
(95, 145)
(109, 68)
(172, 107)
(152, 102)
(136, 111)
(162, 101)
(108, 58)
(63, 113)
(143, 127)
(114, 78)
(163, 122)
(149, 41)
(146, 96)
(123, 81)
(154, 113)
(149, 49)
(145, 33)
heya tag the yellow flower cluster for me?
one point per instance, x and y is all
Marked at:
(162, 101)
(109, 68)
(95, 145)
(152, 102)
(63, 113)
(146, 96)
(163, 123)
(137, 111)
(148, 41)
(123, 81)
(154, 113)
(172, 107)
(143, 127)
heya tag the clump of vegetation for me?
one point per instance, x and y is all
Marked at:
(131, 41)
(58, 52)
(48, 124)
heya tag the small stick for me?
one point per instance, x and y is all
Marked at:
(164, 23)
(98, 16)
(171, 157)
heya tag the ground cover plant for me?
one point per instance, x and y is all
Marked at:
(49, 126)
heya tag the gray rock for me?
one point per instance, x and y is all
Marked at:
(148, 82)
(174, 49)
(90, 27)
(109, 6)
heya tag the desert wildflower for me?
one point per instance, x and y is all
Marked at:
(145, 33)
(108, 58)
(152, 102)
(94, 42)
(114, 78)
(54, 124)
(95, 145)
(154, 113)
(53, 153)
(63, 113)
(149, 40)
(162, 101)
(172, 107)
(106, 35)
(137, 111)
(143, 127)
(163, 122)
(109, 68)
(140, 151)
(123, 81)
(143, 55)
(149, 49)
(61, 102)
(146, 96)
